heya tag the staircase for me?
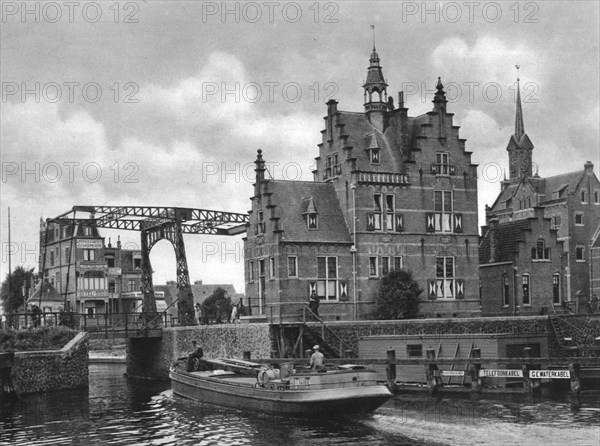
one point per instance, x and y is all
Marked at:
(330, 343)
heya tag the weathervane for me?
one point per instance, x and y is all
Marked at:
(373, 28)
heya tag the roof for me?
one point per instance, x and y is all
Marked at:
(558, 183)
(292, 199)
(507, 236)
(50, 294)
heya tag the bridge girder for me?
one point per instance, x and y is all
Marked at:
(155, 224)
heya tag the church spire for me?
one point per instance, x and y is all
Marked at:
(519, 126)
(519, 145)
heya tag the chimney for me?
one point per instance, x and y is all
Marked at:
(588, 167)
(493, 235)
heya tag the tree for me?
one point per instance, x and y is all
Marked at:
(397, 296)
(12, 297)
(217, 305)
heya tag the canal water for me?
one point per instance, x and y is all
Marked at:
(117, 411)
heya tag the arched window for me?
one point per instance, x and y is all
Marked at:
(505, 290)
(526, 290)
(556, 289)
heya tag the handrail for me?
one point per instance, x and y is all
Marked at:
(343, 345)
(158, 316)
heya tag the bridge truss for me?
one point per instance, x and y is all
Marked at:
(155, 224)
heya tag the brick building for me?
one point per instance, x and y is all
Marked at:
(90, 276)
(389, 192)
(520, 267)
(570, 201)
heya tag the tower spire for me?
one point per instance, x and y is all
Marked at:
(519, 126)
(375, 86)
(373, 29)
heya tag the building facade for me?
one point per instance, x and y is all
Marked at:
(521, 267)
(90, 276)
(570, 202)
(389, 192)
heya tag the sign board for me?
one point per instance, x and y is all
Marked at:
(495, 373)
(114, 271)
(89, 243)
(453, 373)
(94, 293)
(92, 266)
(554, 374)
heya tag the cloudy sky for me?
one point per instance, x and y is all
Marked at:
(165, 103)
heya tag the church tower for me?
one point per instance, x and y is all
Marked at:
(519, 146)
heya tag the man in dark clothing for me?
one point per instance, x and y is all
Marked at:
(195, 358)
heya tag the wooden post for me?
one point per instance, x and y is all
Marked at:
(431, 372)
(391, 370)
(7, 360)
(475, 368)
(247, 355)
(574, 370)
(527, 382)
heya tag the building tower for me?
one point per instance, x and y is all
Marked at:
(519, 146)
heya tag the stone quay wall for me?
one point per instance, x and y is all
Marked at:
(152, 358)
(40, 371)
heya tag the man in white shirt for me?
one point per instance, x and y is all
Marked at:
(317, 358)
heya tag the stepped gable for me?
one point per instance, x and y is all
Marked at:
(293, 201)
(507, 237)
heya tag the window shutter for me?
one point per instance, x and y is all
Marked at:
(343, 290)
(433, 168)
(432, 289)
(399, 223)
(430, 222)
(460, 289)
(370, 222)
(458, 223)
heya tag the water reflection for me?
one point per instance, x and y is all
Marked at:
(118, 411)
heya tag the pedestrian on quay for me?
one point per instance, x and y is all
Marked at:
(313, 303)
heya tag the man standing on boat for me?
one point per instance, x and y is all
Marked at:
(317, 358)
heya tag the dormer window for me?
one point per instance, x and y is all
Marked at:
(312, 218)
(374, 156)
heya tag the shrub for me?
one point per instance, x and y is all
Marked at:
(397, 296)
(40, 338)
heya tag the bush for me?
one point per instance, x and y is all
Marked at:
(41, 338)
(397, 296)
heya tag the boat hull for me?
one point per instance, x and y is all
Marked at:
(306, 402)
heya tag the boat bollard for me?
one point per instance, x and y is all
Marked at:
(528, 383)
(475, 368)
(391, 371)
(575, 371)
(432, 373)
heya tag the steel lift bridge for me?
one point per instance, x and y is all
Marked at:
(155, 224)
